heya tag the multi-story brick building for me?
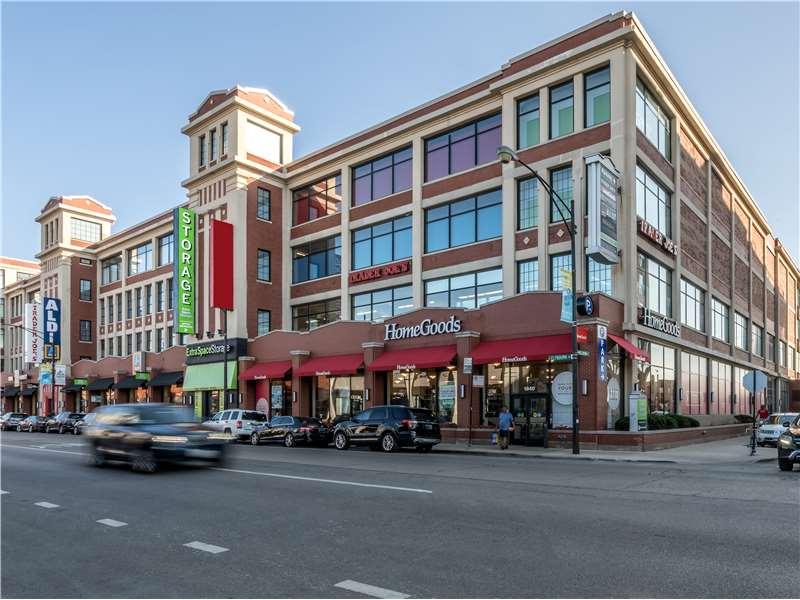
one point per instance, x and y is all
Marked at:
(368, 270)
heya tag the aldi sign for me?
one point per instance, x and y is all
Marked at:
(185, 227)
(52, 322)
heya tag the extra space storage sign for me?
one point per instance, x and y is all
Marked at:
(185, 224)
(52, 327)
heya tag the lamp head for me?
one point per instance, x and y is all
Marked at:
(506, 154)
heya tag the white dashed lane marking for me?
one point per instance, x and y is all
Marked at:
(206, 547)
(369, 590)
(46, 504)
(111, 522)
(3, 492)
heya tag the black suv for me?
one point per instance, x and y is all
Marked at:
(789, 446)
(62, 422)
(291, 431)
(389, 428)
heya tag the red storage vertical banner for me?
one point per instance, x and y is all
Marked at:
(221, 260)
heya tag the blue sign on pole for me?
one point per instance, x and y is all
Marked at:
(602, 334)
(566, 306)
(52, 321)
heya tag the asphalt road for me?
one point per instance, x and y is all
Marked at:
(304, 522)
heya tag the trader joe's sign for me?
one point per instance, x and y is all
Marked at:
(185, 227)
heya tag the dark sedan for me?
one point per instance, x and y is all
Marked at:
(291, 431)
(34, 423)
(11, 420)
(148, 435)
(63, 422)
(389, 428)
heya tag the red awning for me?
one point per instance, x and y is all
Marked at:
(343, 364)
(268, 370)
(520, 350)
(630, 348)
(414, 358)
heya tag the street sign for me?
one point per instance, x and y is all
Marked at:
(754, 381)
(585, 306)
(582, 353)
(566, 306)
(602, 335)
(61, 374)
(467, 365)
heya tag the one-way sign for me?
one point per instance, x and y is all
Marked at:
(754, 381)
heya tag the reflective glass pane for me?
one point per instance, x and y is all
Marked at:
(462, 155)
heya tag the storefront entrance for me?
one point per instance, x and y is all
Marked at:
(530, 419)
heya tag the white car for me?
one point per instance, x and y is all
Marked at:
(237, 422)
(772, 428)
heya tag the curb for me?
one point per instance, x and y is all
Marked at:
(554, 457)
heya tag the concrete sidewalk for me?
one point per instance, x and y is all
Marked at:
(733, 450)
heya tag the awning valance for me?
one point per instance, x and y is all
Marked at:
(166, 378)
(209, 376)
(268, 370)
(520, 350)
(28, 392)
(10, 391)
(631, 349)
(414, 358)
(342, 364)
(72, 388)
(100, 385)
(129, 383)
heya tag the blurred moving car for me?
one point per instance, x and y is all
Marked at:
(237, 422)
(86, 421)
(11, 420)
(291, 431)
(772, 428)
(789, 446)
(62, 422)
(150, 434)
(389, 428)
(33, 423)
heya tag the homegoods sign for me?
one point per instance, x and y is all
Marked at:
(185, 227)
(658, 322)
(423, 328)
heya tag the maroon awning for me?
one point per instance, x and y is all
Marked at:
(268, 370)
(634, 351)
(519, 350)
(342, 364)
(414, 358)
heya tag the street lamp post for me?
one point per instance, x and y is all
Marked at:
(506, 156)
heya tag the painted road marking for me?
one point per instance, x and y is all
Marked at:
(369, 590)
(3, 492)
(46, 504)
(318, 480)
(43, 449)
(111, 522)
(206, 547)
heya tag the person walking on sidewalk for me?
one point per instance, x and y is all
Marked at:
(505, 425)
(763, 413)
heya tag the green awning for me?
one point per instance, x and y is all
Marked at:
(209, 376)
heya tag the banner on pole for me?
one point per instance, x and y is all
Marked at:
(32, 334)
(185, 227)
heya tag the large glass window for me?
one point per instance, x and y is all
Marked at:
(148, 299)
(562, 117)
(382, 304)
(263, 204)
(224, 138)
(740, 330)
(140, 258)
(317, 200)
(720, 320)
(310, 316)
(653, 202)
(139, 302)
(470, 290)
(316, 259)
(263, 265)
(263, 321)
(657, 378)
(339, 396)
(382, 177)
(757, 340)
(201, 150)
(528, 122)
(527, 203)
(85, 292)
(600, 277)
(561, 183)
(770, 347)
(462, 148)
(720, 403)
(119, 307)
(693, 306)
(159, 296)
(382, 243)
(597, 94)
(651, 120)
(166, 249)
(558, 264)
(110, 270)
(129, 304)
(655, 286)
(85, 331)
(432, 389)
(694, 382)
(212, 144)
(527, 276)
(464, 221)
(84, 230)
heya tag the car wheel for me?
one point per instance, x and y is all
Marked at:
(785, 465)
(19, 428)
(144, 462)
(388, 442)
(288, 441)
(340, 441)
(254, 439)
(98, 458)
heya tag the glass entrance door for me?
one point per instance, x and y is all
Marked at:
(530, 419)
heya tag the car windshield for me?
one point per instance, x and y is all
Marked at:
(773, 419)
(167, 414)
(421, 413)
(76, 415)
(19, 415)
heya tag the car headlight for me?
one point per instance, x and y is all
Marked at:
(169, 439)
(785, 440)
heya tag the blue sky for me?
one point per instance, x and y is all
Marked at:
(94, 95)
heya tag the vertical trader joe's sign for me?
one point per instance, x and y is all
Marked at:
(185, 223)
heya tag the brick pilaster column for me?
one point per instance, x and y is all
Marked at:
(301, 399)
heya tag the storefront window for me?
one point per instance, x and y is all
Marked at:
(337, 396)
(720, 388)
(434, 389)
(694, 382)
(657, 379)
